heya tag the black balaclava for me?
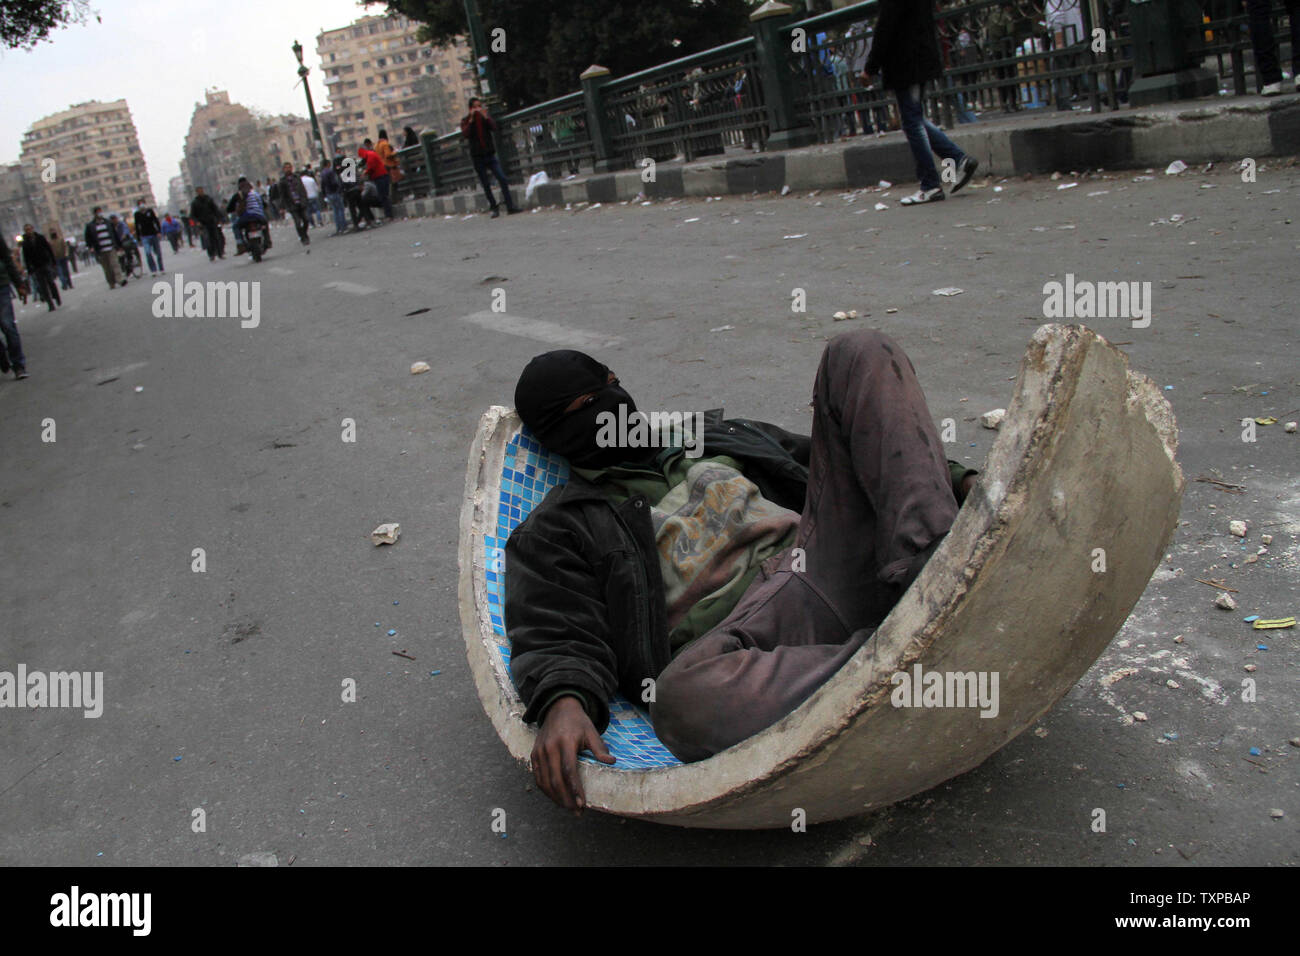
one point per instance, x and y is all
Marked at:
(546, 387)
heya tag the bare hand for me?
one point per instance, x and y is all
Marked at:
(565, 731)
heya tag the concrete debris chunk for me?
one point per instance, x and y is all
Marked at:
(386, 534)
(419, 368)
(1237, 529)
(1225, 601)
(993, 419)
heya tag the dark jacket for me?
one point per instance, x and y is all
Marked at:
(92, 236)
(37, 254)
(292, 192)
(204, 210)
(905, 47)
(9, 274)
(585, 606)
(329, 181)
(146, 223)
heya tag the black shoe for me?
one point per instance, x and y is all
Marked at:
(965, 170)
(514, 211)
(20, 373)
(123, 282)
(496, 213)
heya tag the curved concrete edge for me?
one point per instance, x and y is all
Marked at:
(1045, 495)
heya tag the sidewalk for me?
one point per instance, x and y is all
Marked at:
(1220, 129)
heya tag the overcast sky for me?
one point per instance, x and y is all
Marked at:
(160, 55)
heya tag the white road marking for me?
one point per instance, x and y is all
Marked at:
(351, 287)
(542, 331)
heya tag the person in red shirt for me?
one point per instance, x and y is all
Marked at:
(378, 174)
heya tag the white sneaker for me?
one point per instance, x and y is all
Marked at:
(923, 196)
(1272, 89)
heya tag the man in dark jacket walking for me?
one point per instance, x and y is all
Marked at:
(101, 239)
(149, 231)
(735, 582)
(11, 343)
(906, 51)
(204, 211)
(38, 257)
(293, 197)
(477, 128)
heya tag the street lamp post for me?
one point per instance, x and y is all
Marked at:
(311, 109)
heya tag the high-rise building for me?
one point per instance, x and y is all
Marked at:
(86, 156)
(379, 76)
(16, 206)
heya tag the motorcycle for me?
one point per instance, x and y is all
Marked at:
(255, 239)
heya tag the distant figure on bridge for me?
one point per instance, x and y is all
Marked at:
(477, 128)
(906, 52)
(411, 138)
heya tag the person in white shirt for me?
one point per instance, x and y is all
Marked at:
(313, 198)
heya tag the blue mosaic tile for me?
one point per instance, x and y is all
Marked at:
(528, 473)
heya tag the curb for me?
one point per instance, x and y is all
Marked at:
(1207, 131)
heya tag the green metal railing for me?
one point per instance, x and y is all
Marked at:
(769, 91)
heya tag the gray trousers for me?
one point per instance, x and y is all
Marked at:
(879, 492)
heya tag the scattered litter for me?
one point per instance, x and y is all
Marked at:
(416, 245)
(1139, 716)
(880, 206)
(493, 278)
(1066, 186)
(418, 255)
(1056, 176)
(890, 311)
(1237, 529)
(177, 759)
(403, 654)
(785, 190)
(1266, 539)
(1173, 684)
(386, 534)
(1225, 601)
(1143, 179)
(1266, 420)
(693, 219)
(434, 673)
(1170, 735)
(1275, 624)
(1254, 751)
(723, 328)
(797, 235)
(139, 388)
(884, 184)
(1252, 619)
(1250, 668)
(392, 633)
(1289, 428)
(1276, 814)
(1261, 647)
(417, 312)
(997, 189)
(949, 291)
(993, 419)
(1176, 167)
(1100, 192)
(419, 368)
(1040, 731)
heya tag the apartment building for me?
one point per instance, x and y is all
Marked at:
(379, 76)
(86, 156)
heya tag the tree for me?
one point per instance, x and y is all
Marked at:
(25, 23)
(548, 43)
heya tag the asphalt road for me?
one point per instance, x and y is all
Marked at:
(222, 689)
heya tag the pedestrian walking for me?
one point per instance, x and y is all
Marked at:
(204, 212)
(1268, 65)
(128, 249)
(378, 173)
(38, 258)
(477, 128)
(313, 196)
(171, 230)
(906, 52)
(101, 239)
(293, 197)
(11, 348)
(332, 186)
(63, 256)
(148, 230)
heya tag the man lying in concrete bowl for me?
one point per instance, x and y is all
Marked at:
(736, 569)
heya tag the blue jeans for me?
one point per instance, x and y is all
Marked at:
(382, 184)
(65, 276)
(152, 248)
(11, 349)
(491, 164)
(313, 209)
(923, 136)
(340, 214)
